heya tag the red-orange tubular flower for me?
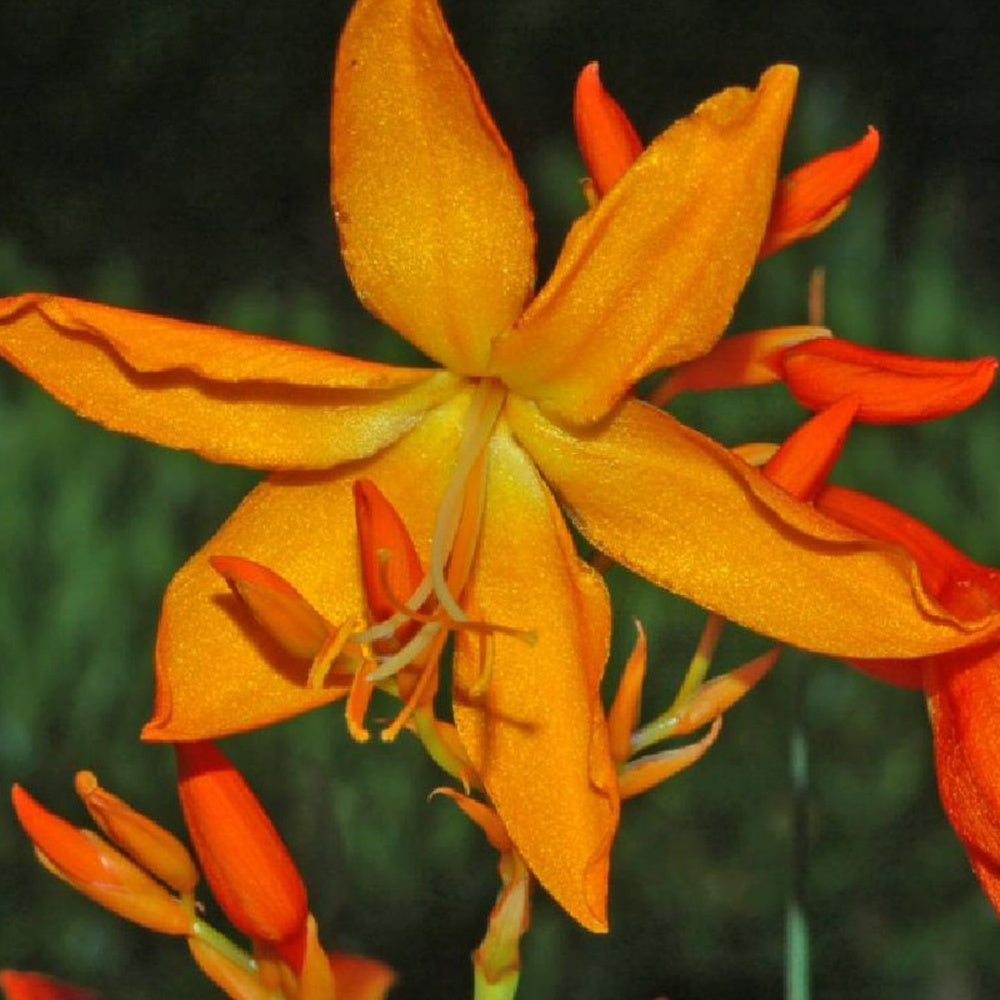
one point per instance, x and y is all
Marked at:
(244, 860)
(34, 986)
(962, 688)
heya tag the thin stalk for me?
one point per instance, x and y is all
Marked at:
(797, 944)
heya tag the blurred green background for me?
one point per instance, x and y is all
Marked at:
(172, 156)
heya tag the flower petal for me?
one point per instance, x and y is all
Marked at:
(607, 139)
(813, 195)
(807, 456)
(537, 737)
(966, 588)
(739, 360)
(963, 696)
(891, 388)
(216, 671)
(231, 397)
(434, 222)
(650, 276)
(676, 507)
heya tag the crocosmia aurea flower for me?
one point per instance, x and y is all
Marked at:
(528, 411)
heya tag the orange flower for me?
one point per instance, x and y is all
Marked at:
(962, 688)
(533, 404)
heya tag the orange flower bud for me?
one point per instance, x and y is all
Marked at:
(34, 986)
(608, 142)
(804, 460)
(244, 860)
(390, 566)
(97, 870)
(891, 388)
(146, 842)
(282, 611)
(810, 197)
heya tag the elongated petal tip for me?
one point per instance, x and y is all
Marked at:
(890, 388)
(608, 141)
(245, 862)
(804, 461)
(482, 815)
(644, 773)
(57, 838)
(743, 359)
(812, 196)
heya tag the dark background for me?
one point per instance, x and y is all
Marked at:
(173, 157)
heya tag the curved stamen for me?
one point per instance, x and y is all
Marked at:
(483, 412)
(456, 533)
(469, 624)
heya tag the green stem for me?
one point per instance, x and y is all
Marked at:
(797, 962)
(223, 945)
(504, 989)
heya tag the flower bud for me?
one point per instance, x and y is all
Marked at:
(244, 860)
(146, 842)
(97, 870)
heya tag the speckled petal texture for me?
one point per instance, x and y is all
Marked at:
(682, 511)
(963, 696)
(538, 736)
(216, 671)
(231, 397)
(650, 276)
(434, 222)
